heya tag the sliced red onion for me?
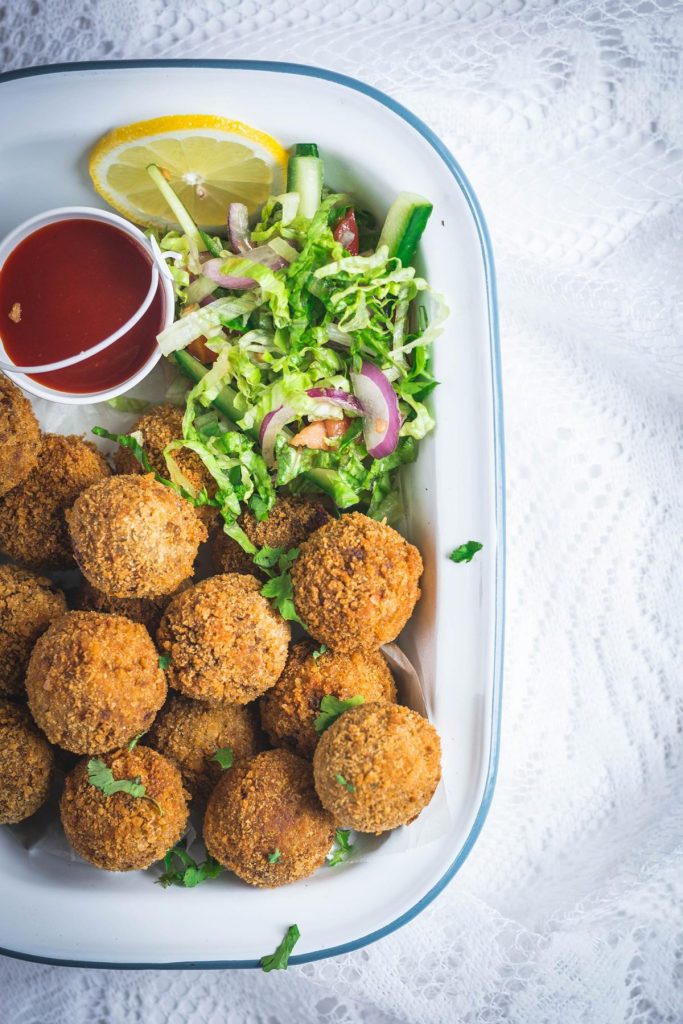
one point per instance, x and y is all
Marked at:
(271, 425)
(381, 415)
(238, 228)
(267, 256)
(212, 270)
(337, 396)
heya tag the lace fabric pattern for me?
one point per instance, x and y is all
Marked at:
(567, 117)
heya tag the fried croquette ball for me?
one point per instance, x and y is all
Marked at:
(290, 522)
(26, 765)
(133, 537)
(32, 525)
(146, 610)
(122, 832)
(264, 820)
(377, 766)
(94, 682)
(189, 732)
(28, 604)
(159, 427)
(355, 583)
(19, 436)
(290, 708)
(226, 643)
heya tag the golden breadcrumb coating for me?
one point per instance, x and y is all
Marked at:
(19, 436)
(26, 764)
(290, 708)
(227, 645)
(356, 583)
(146, 610)
(28, 604)
(389, 755)
(94, 682)
(266, 805)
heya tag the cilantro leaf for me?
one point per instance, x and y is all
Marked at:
(275, 856)
(102, 777)
(343, 848)
(331, 708)
(279, 590)
(278, 960)
(466, 552)
(223, 757)
(190, 873)
(319, 652)
(164, 661)
(348, 786)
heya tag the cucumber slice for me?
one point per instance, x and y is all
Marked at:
(327, 480)
(185, 222)
(406, 220)
(305, 175)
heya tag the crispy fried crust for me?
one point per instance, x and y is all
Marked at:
(94, 682)
(264, 805)
(32, 524)
(159, 427)
(290, 522)
(121, 832)
(289, 710)
(133, 537)
(26, 764)
(28, 604)
(19, 436)
(146, 610)
(227, 645)
(189, 733)
(356, 583)
(392, 758)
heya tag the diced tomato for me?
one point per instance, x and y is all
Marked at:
(313, 436)
(198, 349)
(346, 232)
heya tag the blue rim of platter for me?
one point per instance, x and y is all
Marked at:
(307, 71)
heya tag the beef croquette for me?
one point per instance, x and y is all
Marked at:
(377, 766)
(146, 610)
(122, 832)
(26, 765)
(290, 708)
(28, 604)
(32, 525)
(290, 522)
(19, 436)
(265, 822)
(226, 643)
(94, 682)
(189, 733)
(158, 428)
(134, 537)
(356, 583)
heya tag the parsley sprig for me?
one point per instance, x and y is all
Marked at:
(278, 960)
(189, 873)
(343, 848)
(466, 552)
(348, 786)
(102, 777)
(223, 757)
(331, 708)
(279, 589)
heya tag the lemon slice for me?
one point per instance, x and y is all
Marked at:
(208, 161)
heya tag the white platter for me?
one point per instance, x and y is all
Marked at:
(64, 911)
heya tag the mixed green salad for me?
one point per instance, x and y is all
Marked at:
(307, 339)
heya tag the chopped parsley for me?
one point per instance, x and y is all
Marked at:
(348, 786)
(343, 848)
(164, 661)
(102, 777)
(275, 856)
(223, 757)
(331, 708)
(278, 960)
(466, 552)
(132, 744)
(188, 873)
(319, 652)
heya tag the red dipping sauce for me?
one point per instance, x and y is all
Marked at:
(68, 286)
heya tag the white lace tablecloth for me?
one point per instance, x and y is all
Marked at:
(568, 118)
